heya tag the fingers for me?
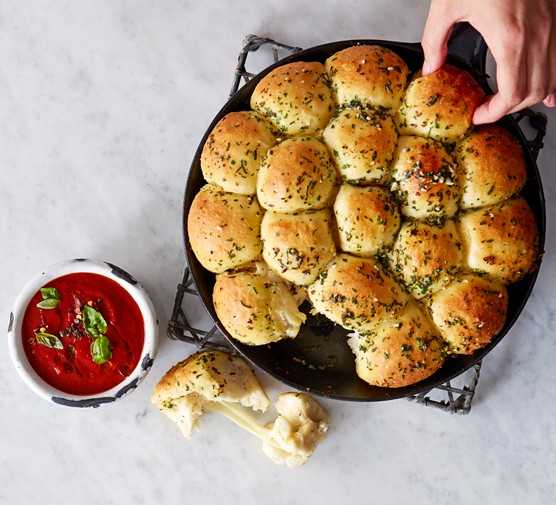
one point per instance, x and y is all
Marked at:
(511, 91)
(511, 76)
(522, 85)
(440, 21)
(550, 99)
(538, 68)
(522, 39)
(525, 62)
(492, 110)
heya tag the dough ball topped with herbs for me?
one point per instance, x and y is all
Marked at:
(257, 308)
(501, 240)
(370, 75)
(234, 150)
(296, 98)
(469, 312)
(368, 219)
(298, 246)
(362, 142)
(399, 351)
(356, 293)
(224, 229)
(440, 105)
(424, 179)
(361, 193)
(297, 174)
(425, 257)
(492, 167)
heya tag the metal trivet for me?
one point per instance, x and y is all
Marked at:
(455, 396)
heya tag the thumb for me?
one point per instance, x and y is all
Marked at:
(440, 21)
(491, 110)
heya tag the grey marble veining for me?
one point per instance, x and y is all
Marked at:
(102, 105)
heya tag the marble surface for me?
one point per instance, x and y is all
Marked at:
(102, 104)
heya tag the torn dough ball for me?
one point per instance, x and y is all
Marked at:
(203, 380)
(218, 381)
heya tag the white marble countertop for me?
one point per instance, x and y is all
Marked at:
(102, 104)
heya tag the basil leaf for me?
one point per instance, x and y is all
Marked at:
(94, 323)
(48, 340)
(48, 293)
(100, 350)
(48, 303)
(50, 298)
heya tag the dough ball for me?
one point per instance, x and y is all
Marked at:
(297, 174)
(356, 293)
(370, 75)
(492, 167)
(362, 142)
(440, 105)
(234, 151)
(295, 97)
(400, 351)
(256, 309)
(298, 246)
(367, 217)
(470, 312)
(425, 257)
(224, 228)
(501, 240)
(425, 179)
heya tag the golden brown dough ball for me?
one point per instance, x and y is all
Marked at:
(501, 240)
(426, 257)
(256, 309)
(371, 75)
(356, 293)
(224, 228)
(367, 217)
(492, 167)
(424, 179)
(362, 142)
(400, 351)
(298, 246)
(470, 312)
(295, 97)
(234, 150)
(440, 105)
(297, 174)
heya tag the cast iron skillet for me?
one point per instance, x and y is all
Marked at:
(319, 360)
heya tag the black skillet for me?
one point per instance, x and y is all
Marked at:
(319, 360)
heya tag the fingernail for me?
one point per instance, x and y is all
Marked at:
(550, 100)
(426, 68)
(478, 118)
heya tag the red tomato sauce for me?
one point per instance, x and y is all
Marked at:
(72, 368)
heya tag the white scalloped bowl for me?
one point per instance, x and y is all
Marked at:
(19, 357)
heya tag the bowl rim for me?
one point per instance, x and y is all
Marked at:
(81, 265)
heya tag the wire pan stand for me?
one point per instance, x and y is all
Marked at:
(454, 396)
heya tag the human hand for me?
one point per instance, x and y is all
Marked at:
(522, 39)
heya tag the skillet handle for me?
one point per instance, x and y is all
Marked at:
(468, 44)
(537, 121)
